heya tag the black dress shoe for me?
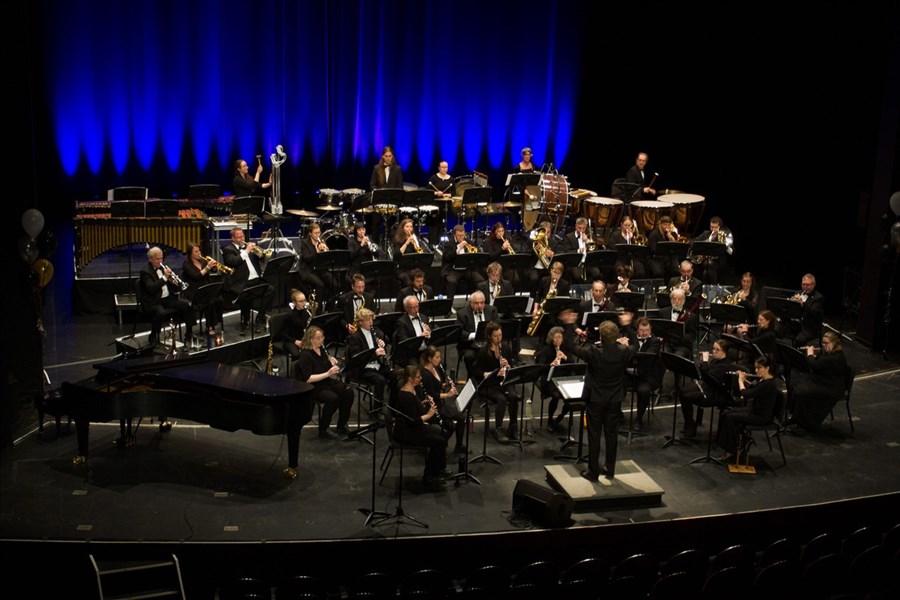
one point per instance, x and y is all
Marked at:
(259, 327)
(590, 475)
(500, 435)
(690, 431)
(512, 433)
(244, 328)
(607, 472)
(432, 483)
(342, 429)
(328, 434)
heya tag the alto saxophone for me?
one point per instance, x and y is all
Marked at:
(539, 315)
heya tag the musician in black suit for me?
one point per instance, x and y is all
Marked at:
(714, 267)
(552, 285)
(362, 250)
(375, 372)
(662, 266)
(417, 288)
(600, 301)
(160, 296)
(290, 338)
(678, 311)
(686, 280)
(495, 286)
(311, 278)
(627, 234)
(577, 241)
(452, 273)
(411, 324)
(405, 241)
(351, 302)
(387, 173)
(637, 175)
(604, 392)
(647, 375)
(497, 245)
(469, 317)
(489, 370)
(813, 305)
(244, 258)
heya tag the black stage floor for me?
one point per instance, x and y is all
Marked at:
(197, 484)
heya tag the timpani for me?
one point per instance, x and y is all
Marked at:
(646, 213)
(602, 212)
(688, 211)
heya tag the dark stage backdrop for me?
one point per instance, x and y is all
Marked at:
(769, 110)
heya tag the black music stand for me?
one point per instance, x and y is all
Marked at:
(522, 375)
(727, 314)
(204, 296)
(204, 191)
(561, 375)
(629, 252)
(253, 291)
(568, 259)
(276, 272)
(358, 362)
(791, 357)
(415, 260)
(511, 305)
(625, 190)
(742, 345)
(522, 180)
(484, 456)
(670, 330)
(127, 209)
(161, 209)
(708, 250)
(250, 206)
(591, 321)
(471, 261)
(377, 269)
(629, 301)
(436, 307)
(332, 261)
(514, 263)
(389, 196)
(663, 299)
(408, 347)
(444, 336)
(601, 258)
(464, 459)
(399, 515)
(418, 197)
(679, 366)
(673, 251)
(370, 512)
(554, 306)
(387, 323)
(787, 310)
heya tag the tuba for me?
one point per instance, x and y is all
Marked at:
(540, 245)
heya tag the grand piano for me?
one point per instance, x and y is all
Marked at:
(226, 397)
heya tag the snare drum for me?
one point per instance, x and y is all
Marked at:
(646, 213)
(688, 211)
(602, 212)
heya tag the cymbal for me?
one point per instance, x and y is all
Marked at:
(512, 205)
(302, 213)
(328, 207)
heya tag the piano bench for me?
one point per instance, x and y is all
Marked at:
(125, 302)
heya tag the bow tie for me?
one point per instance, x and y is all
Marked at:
(597, 305)
(357, 297)
(677, 311)
(478, 314)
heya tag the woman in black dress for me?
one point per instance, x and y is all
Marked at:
(764, 337)
(316, 367)
(244, 184)
(815, 393)
(552, 352)
(491, 364)
(442, 390)
(760, 399)
(197, 272)
(405, 242)
(412, 427)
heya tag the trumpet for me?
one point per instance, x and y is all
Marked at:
(470, 247)
(678, 237)
(509, 246)
(320, 245)
(416, 245)
(258, 251)
(175, 278)
(219, 266)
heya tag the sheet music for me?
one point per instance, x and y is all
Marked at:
(571, 389)
(465, 396)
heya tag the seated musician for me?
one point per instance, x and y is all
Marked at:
(410, 325)
(662, 266)
(351, 302)
(244, 258)
(197, 272)
(405, 242)
(469, 317)
(577, 241)
(686, 280)
(718, 366)
(679, 312)
(376, 372)
(760, 397)
(599, 302)
(316, 367)
(489, 370)
(413, 426)
(417, 288)
(763, 337)
(812, 304)
(160, 289)
(311, 277)
(442, 390)
(814, 394)
(543, 252)
(554, 352)
(451, 272)
(495, 286)
(628, 234)
(362, 250)
(624, 274)
(290, 338)
(647, 375)
(497, 245)
(552, 286)
(714, 267)
(748, 296)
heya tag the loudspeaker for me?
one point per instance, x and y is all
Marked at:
(541, 504)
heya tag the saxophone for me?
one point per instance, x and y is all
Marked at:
(536, 319)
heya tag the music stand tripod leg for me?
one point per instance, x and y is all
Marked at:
(399, 515)
(674, 439)
(370, 512)
(487, 425)
(465, 474)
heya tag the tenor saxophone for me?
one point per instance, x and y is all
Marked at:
(539, 315)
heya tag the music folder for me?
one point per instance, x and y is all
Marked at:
(672, 330)
(465, 396)
(592, 320)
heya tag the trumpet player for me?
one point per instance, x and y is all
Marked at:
(196, 272)
(577, 241)
(661, 265)
(159, 296)
(405, 242)
(362, 249)
(813, 305)
(498, 244)
(310, 278)
(241, 256)
(686, 281)
(714, 266)
(452, 271)
(353, 301)
(627, 234)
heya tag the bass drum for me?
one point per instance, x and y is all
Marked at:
(336, 240)
(554, 193)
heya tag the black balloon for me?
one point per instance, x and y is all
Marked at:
(28, 249)
(47, 243)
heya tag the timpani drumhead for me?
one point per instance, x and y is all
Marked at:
(687, 212)
(646, 213)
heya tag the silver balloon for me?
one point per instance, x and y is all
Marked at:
(895, 203)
